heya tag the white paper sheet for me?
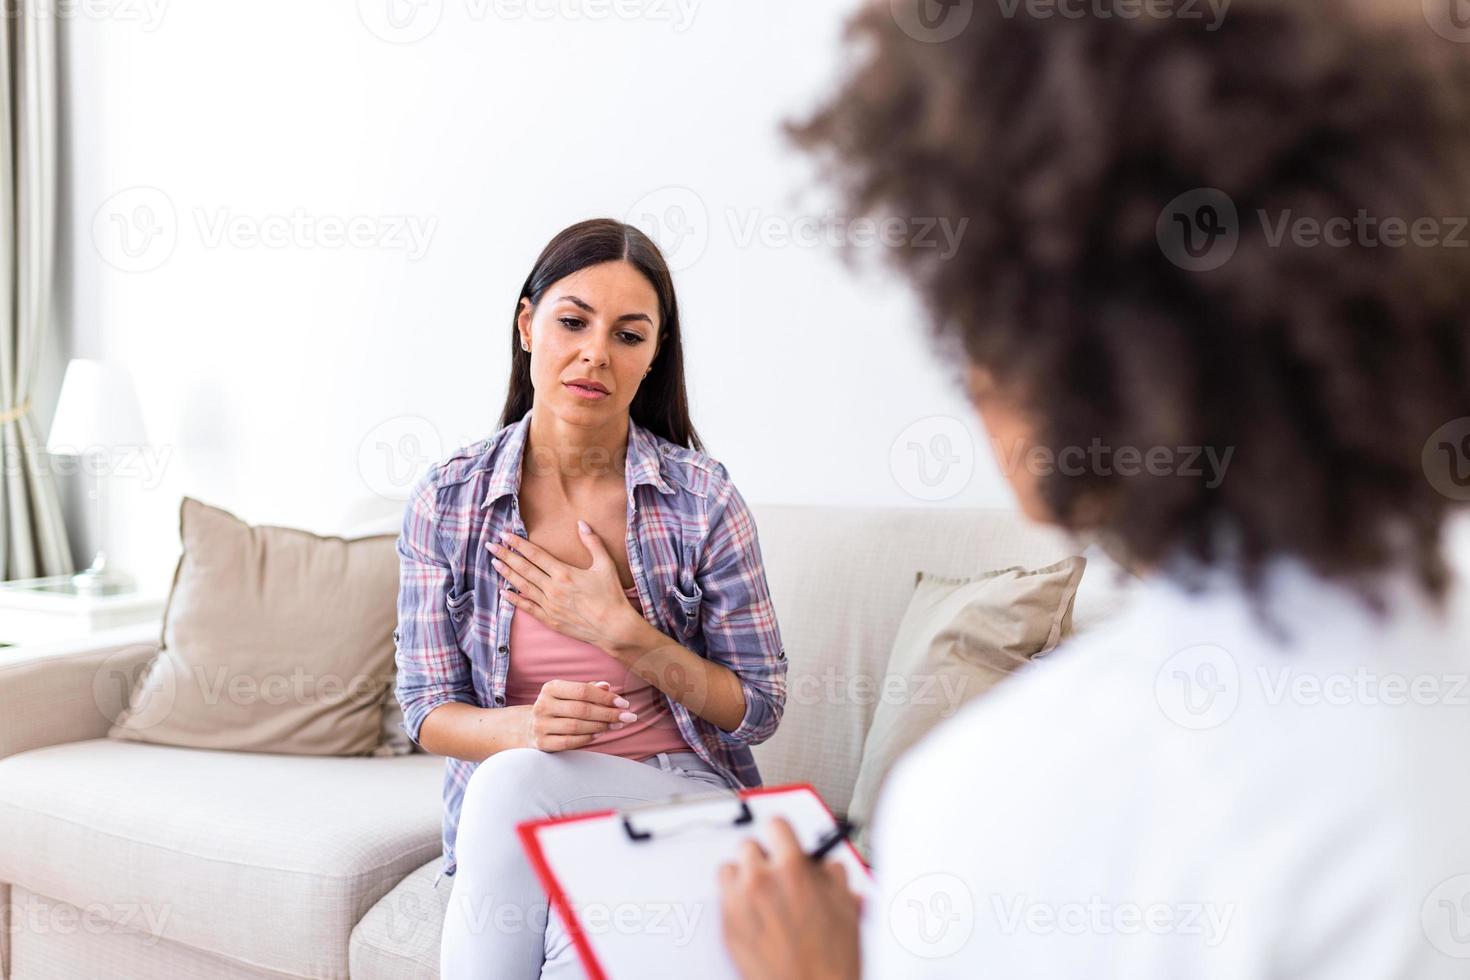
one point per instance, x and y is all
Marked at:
(651, 909)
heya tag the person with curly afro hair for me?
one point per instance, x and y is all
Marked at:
(1212, 305)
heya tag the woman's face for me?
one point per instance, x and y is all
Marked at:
(599, 326)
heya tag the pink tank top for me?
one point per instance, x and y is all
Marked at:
(539, 654)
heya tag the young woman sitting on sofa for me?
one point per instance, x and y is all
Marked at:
(583, 615)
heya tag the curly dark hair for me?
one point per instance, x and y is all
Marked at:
(1064, 142)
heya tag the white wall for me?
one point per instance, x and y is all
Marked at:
(264, 369)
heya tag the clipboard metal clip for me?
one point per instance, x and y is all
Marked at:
(688, 812)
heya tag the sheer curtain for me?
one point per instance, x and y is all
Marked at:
(33, 539)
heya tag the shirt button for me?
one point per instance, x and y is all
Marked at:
(504, 649)
(500, 699)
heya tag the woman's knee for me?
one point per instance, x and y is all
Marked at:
(503, 789)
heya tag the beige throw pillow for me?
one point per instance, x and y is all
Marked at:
(395, 740)
(274, 640)
(958, 638)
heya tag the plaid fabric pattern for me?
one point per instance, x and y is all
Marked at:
(694, 555)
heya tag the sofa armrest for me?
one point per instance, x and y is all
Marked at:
(70, 690)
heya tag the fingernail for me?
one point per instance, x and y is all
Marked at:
(614, 726)
(627, 716)
(583, 526)
(620, 702)
(603, 684)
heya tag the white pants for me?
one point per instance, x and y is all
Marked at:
(496, 921)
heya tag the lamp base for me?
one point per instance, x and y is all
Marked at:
(98, 579)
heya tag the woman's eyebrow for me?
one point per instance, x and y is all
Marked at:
(577, 300)
(583, 304)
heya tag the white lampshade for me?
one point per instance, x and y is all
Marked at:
(98, 410)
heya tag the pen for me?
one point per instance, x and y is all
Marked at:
(833, 838)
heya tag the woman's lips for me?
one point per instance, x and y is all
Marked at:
(591, 394)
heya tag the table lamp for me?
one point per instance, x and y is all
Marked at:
(96, 414)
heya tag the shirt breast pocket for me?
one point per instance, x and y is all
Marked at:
(461, 608)
(688, 602)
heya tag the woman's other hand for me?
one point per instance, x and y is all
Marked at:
(570, 714)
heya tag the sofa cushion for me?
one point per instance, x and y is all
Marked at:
(841, 578)
(266, 859)
(61, 940)
(958, 639)
(398, 939)
(274, 640)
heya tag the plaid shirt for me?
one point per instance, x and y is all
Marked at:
(694, 556)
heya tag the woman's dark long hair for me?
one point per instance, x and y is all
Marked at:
(661, 405)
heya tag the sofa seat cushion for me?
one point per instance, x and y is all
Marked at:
(266, 859)
(398, 938)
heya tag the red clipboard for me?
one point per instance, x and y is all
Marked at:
(530, 831)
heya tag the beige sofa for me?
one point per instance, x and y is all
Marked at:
(128, 860)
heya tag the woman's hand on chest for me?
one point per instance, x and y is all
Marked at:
(586, 604)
